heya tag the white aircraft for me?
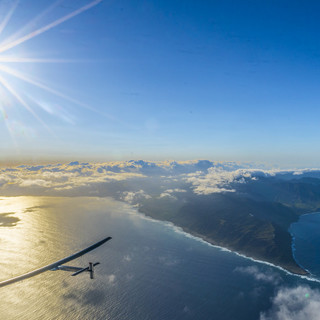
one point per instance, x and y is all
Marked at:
(58, 265)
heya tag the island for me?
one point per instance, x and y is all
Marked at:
(248, 211)
(253, 221)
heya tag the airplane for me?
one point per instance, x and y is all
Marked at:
(58, 265)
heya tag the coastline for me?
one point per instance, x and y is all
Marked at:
(293, 236)
(289, 269)
(295, 270)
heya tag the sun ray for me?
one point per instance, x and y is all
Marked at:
(5, 84)
(10, 90)
(10, 59)
(8, 16)
(5, 119)
(48, 89)
(49, 26)
(32, 22)
(11, 135)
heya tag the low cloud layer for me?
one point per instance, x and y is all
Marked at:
(103, 179)
(61, 178)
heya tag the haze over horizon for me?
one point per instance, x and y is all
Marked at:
(104, 81)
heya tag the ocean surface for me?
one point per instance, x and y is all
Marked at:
(149, 270)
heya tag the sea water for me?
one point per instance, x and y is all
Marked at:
(149, 270)
(306, 242)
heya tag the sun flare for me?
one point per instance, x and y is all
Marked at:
(11, 77)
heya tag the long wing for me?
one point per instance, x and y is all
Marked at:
(55, 264)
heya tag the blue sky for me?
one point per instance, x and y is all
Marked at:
(219, 80)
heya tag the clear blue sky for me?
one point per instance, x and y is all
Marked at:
(219, 80)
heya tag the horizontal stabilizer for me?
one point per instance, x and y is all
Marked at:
(69, 268)
(80, 271)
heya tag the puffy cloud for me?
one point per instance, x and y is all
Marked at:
(77, 178)
(131, 197)
(175, 190)
(34, 182)
(111, 279)
(127, 258)
(265, 276)
(167, 195)
(215, 181)
(219, 180)
(299, 303)
(59, 178)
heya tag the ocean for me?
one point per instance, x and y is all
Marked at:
(149, 270)
(306, 242)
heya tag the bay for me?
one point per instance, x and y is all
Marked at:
(306, 242)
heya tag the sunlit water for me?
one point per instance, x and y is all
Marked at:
(148, 270)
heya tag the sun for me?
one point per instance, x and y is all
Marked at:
(8, 90)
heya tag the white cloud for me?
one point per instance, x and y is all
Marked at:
(299, 303)
(167, 195)
(215, 181)
(58, 178)
(175, 190)
(81, 178)
(34, 182)
(219, 180)
(127, 258)
(111, 279)
(130, 196)
(264, 276)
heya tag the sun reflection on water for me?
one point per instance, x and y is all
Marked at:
(45, 230)
(19, 237)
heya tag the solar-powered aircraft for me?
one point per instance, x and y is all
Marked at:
(58, 265)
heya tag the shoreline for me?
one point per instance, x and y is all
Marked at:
(191, 234)
(303, 271)
(293, 245)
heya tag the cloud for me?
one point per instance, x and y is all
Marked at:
(34, 182)
(168, 195)
(218, 179)
(111, 279)
(299, 303)
(175, 190)
(169, 261)
(265, 276)
(186, 309)
(215, 181)
(101, 179)
(127, 258)
(58, 179)
(6, 219)
(131, 197)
